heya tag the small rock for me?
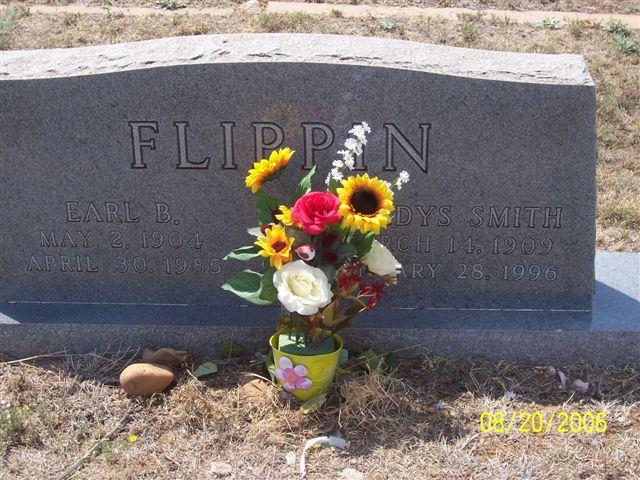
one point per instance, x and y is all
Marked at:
(351, 474)
(290, 458)
(220, 469)
(252, 6)
(145, 379)
(165, 356)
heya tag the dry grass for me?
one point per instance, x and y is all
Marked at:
(395, 429)
(587, 6)
(617, 74)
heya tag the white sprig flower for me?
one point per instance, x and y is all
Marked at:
(346, 155)
(353, 148)
(350, 163)
(336, 174)
(401, 180)
(358, 131)
(351, 144)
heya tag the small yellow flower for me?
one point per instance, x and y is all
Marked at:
(285, 217)
(133, 438)
(265, 170)
(365, 203)
(275, 246)
(26, 408)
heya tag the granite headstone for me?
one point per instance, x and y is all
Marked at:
(123, 167)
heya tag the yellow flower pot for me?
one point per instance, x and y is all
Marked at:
(305, 376)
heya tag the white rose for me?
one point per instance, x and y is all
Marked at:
(302, 288)
(381, 261)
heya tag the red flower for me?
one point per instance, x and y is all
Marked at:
(330, 258)
(347, 279)
(315, 211)
(328, 239)
(263, 228)
(373, 292)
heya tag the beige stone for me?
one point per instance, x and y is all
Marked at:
(254, 391)
(252, 6)
(221, 469)
(145, 379)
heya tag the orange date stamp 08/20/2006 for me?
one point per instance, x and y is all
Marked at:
(558, 421)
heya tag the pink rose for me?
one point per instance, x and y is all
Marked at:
(315, 211)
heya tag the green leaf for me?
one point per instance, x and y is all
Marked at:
(390, 362)
(305, 184)
(362, 242)
(255, 231)
(266, 206)
(243, 253)
(354, 310)
(329, 271)
(247, 285)
(334, 185)
(344, 356)
(372, 361)
(342, 231)
(271, 366)
(328, 313)
(229, 350)
(369, 359)
(267, 291)
(205, 369)
(345, 251)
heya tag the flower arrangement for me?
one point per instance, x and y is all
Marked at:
(320, 257)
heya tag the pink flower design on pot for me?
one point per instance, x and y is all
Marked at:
(292, 378)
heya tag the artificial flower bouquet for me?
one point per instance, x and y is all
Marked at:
(320, 260)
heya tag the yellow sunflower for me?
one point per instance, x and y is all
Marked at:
(275, 246)
(365, 203)
(284, 217)
(265, 170)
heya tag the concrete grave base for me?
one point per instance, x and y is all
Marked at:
(610, 334)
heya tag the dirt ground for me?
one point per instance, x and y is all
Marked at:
(421, 421)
